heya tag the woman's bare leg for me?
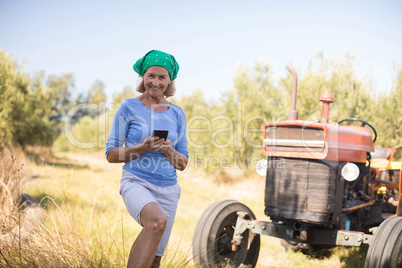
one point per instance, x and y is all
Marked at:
(157, 262)
(143, 251)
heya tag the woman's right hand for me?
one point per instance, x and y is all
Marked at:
(127, 154)
(152, 144)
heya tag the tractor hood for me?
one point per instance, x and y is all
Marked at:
(311, 140)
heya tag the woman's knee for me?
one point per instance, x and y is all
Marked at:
(157, 224)
(153, 218)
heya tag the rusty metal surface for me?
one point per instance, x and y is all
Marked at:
(347, 238)
(342, 143)
(274, 229)
(300, 189)
(347, 210)
(315, 236)
(241, 226)
(338, 237)
(294, 139)
(295, 133)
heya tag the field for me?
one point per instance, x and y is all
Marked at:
(87, 224)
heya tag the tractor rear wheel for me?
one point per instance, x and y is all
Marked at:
(214, 233)
(385, 249)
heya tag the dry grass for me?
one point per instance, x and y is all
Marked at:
(87, 224)
(11, 180)
(27, 242)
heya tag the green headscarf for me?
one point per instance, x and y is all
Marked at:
(156, 57)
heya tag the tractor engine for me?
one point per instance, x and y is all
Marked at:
(304, 190)
(318, 173)
(305, 179)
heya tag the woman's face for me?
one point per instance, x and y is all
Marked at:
(156, 80)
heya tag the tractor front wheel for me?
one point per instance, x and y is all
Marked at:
(385, 248)
(213, 235)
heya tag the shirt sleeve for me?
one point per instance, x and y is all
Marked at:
(181, 145)
(119, 129)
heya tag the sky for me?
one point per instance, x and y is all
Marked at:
(101, 40)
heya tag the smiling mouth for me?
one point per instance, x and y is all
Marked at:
(154, 88)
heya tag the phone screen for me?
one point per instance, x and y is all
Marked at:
(160, 133)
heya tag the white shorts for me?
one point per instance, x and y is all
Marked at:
(137, 193)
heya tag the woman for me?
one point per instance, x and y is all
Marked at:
(149, 182)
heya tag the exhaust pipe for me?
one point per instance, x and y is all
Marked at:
(326, 98)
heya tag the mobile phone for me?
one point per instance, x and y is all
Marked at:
(162, 134)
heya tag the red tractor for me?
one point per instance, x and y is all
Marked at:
(321, 191)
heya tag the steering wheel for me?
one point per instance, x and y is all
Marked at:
(364, 123)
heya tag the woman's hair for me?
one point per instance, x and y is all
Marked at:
(169, 92)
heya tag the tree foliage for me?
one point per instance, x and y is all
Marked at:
(61, 88)
(199, 128)
(128, 92)
(388, 115)
(243, 111)
(96, 93)
(24, 106)
(228, 130)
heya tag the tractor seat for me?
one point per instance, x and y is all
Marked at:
(381, 158)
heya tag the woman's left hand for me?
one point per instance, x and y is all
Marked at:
(178, 160)
(166, 145)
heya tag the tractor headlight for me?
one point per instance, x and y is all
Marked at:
(350, 172)
(261, 167)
